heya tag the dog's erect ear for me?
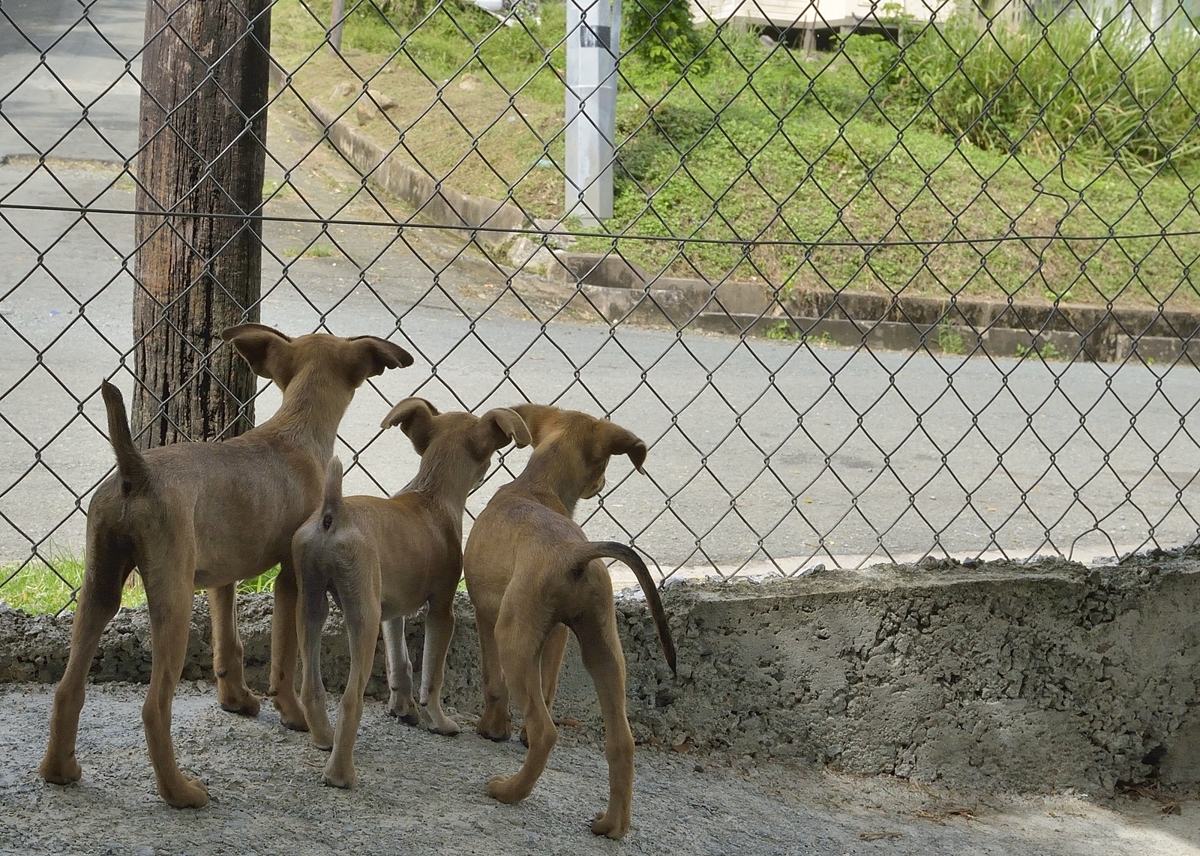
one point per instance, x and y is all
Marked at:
(537, 418)
(268, 351)
(499, 427)
(624, 442)
(373, 356)
(415, 418)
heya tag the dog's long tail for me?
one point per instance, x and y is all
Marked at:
(624, 553)
(333, 503)
(135, 474)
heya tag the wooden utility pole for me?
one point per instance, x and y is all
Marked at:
(202, 152)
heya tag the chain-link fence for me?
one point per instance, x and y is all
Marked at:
(879, 281)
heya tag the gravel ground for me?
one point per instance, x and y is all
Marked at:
(420, 791)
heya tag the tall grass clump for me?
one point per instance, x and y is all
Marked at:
(1066, 87)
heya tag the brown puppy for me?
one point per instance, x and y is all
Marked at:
(532, 574)
(386, 558)
(205, 515)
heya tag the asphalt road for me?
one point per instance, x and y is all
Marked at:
(68, 86)
(759, 449)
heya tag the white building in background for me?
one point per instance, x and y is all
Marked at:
(791, 20)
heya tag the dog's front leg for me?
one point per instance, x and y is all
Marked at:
(284, 649)
(228, 655)
(362, 625)
(493, 722)
(400, 673)
(314, 609)
(439, 629)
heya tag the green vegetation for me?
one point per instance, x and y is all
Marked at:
(783, 331)
(1042, 161)
(949, 340)
(661, 33)
(39, 586)
(1044, 351)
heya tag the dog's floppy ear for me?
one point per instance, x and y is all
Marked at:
(268, 351)
(498, 427)
(537, 418)
(415, 418)
(373, 356)
(624, 442)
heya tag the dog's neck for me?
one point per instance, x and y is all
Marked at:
(444, 484)
(556, 472)
(309, 415)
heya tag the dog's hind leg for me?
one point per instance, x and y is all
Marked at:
(232, 693)
(401, 703)
(283, 649)
(602, 656)
(439, 629)
(493, 723)
(362, 624)
(107, 567)
(552, 657)
(168, 581)
(520, 655)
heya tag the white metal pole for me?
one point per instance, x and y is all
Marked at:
(591, 106)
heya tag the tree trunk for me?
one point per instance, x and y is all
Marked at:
(203, 151)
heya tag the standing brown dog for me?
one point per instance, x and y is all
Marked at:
(532, 574)
(205, 515)
(386, 558)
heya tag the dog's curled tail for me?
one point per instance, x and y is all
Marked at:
(624, 553)
(131, 466)
(333, 503)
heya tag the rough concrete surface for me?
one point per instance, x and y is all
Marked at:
(793, 696)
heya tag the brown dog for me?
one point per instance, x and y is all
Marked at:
(386, 558)
(205, 515)
(532, 574)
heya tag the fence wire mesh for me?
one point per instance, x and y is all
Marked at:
(881, 281)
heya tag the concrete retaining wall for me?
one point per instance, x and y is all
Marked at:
(1028, 677)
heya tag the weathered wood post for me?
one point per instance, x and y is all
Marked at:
(199, 249)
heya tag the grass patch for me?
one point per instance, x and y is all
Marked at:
(39, 586)
(319, 251)
(1045, 161)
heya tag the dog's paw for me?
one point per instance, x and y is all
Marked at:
(185, 793)
(291, 714)
(60, 771)
(339, 778)
(611, 827)
(407, 717)
(497, 736)
(497, 790)
(444, 726)
(405, 709)
(239, 700)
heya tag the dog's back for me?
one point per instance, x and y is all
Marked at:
(522, 538)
